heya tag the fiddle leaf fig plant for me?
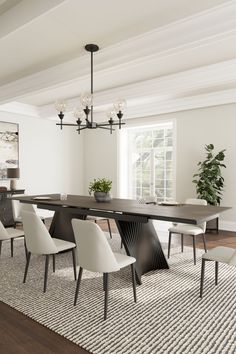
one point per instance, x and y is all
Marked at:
(100, 185)
(209, 180)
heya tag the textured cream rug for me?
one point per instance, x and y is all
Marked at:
(169, 317)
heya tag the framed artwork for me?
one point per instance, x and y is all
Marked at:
(9, 147)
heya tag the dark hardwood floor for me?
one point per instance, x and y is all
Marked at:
(21, 335)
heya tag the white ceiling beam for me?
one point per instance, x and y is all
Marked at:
(24, 13)
(205, 28)
(162, 89)
(21, 108)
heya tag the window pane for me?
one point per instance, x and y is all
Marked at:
(151, 162)
(158, 133)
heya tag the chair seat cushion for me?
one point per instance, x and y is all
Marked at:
(13, 233)
(219, 254)
(124, 260)
(63, 245)
(186, 229)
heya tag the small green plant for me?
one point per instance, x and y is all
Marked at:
(209, 181)
(100, 185)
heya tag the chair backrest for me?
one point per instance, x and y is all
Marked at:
(94, 251)
(17, 207)
(37, 238)
(232, 260)
(3, 232)
(196, 201)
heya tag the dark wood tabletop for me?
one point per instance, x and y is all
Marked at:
(118, 208)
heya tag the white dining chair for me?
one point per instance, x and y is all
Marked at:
(17, 208)
(191, 230)
(218, 255)
(39, 242)
(95, 255)
(9, 234)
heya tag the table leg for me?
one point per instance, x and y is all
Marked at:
(61, 226)
(141, 241)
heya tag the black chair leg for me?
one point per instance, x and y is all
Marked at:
(169, 244)
(121, 244)
(216, 272)
(74, 262)
(204, 242)
(194, 250)
(109, 227)
(133, 282)
(182, 243)
(202, 277)
(46, 273)
(0, 247)
(78, 285)
(106, 296)
(104, 281)
(26, 266)
(26, 252)
(54, 263)
(12, 247)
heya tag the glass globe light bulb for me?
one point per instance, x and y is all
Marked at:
(86, 99)
(60, 105)
(111, 114)
(120, 105)
(79, 114)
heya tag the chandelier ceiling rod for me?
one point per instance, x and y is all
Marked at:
(87, 103)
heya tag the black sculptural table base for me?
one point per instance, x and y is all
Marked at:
(61, 226)
(141, 241)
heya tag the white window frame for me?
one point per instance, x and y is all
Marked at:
(122, 187)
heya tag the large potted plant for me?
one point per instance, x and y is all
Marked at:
(209, 180)
(101, 188)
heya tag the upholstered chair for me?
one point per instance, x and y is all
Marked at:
(39, 242)
(218, 255)
(95, 255)
(9, 234)
(191, 230)
(17, 207)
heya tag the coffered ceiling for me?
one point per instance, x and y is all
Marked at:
(42, 56)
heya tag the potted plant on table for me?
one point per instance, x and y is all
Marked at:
(101, 188)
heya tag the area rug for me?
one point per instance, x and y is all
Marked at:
(169, 317)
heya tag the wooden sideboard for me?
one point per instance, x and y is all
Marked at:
(6, 215)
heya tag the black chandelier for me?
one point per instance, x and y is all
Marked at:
(86, 112)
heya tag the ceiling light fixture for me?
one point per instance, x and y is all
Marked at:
(86, 112)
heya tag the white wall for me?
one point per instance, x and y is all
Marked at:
(195, 128)
(50, 159)
(100, 157)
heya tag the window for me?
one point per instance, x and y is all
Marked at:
(147, 162)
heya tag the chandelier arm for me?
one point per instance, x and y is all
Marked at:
(67, 124)
(102, 127)
(108, 124)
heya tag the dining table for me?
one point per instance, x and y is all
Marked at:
(134, 222)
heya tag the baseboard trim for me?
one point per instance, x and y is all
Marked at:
(227, 225)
